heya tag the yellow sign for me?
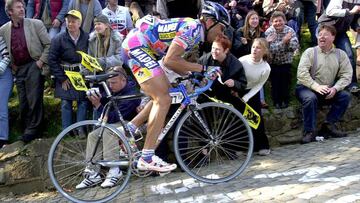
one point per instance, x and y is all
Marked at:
(251, 116)
(89, 62)
(76, 80)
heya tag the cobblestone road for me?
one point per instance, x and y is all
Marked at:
(317, 172)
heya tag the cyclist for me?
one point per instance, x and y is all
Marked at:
(169, 39)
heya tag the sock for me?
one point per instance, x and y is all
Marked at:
(132, 127)
(146, 154)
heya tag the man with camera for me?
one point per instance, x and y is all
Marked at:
(119, 86)
(322, 75)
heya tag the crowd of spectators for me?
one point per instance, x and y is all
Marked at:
(39, 37)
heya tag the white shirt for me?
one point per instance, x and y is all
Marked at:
(256, 75)
(120, 20)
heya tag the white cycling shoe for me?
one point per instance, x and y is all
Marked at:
(156, 164)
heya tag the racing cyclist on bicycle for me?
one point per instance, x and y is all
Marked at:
(169, 39)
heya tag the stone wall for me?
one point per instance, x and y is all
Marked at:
(23, 169)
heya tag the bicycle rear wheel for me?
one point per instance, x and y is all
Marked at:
(68, 160)
(213, 143)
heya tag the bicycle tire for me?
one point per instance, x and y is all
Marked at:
(67, 162)
(218, 159)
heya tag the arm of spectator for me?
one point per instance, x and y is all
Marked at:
(263, 78)
(63, 11)
(129, 22)
(97, 8)
(240, 81)
(162, 9)
(335, 9)
(276, 45)
(71, 5)
(238, 42)
(345, 72)
(30, 11)
(293, 43)
(44, 39)
(303, 71)
(54, 60)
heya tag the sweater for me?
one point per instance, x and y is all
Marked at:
(256, 74)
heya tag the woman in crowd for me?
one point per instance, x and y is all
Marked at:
(257, 71)
(105, 43)
(244, 38)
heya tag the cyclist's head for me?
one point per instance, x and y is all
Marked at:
(215, 17)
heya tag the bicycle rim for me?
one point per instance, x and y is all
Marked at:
(214, 144)
(67, 162)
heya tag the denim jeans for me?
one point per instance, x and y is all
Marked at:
(66, 112)
(342, 42)
(307, 10)
(6, 84)
(310, 101)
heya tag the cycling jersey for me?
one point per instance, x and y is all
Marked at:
(151, 38)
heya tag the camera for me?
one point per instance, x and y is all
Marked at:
(93, 91)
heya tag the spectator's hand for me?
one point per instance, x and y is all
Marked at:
(331, 93)
(95, 100)
(238, 16)
(281, 7)
(271, 37)
(355, 9)
(56, 23)
(229, 83)
(211, 72)
(66, 85)
(287, 38)
(256, 2)
(322, 89)
(243, 40)
(39, 64)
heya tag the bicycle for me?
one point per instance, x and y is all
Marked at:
(212, 142)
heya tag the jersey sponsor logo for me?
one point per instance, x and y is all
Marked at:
(167, 31)
(167, 27)
(144, 57)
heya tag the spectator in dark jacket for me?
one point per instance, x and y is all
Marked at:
(119, 86)
(62, 57)
(233, 73)
(245, 35)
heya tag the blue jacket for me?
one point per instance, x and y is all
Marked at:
(126, 107)
(63, 49)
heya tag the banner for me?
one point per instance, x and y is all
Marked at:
(76, 80)
(89, 62)
(251, 116)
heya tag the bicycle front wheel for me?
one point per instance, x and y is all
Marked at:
(84, 149)
(213, 143)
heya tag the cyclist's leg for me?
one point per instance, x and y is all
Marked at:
(150, 76)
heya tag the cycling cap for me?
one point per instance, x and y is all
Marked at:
(217, 11)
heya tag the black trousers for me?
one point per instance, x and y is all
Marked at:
(30, 87)
(280, 77)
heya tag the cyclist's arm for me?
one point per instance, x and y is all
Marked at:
(174, 61)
